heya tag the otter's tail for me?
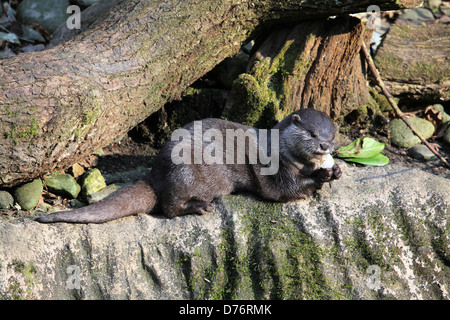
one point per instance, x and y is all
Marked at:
(137, 198)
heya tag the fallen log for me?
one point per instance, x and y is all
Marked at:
(413, 62)
(60, 104)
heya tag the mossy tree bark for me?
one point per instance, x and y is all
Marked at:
(315, 64)
(63, 103)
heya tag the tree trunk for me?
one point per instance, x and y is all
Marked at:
(315, 64)
(63, 103)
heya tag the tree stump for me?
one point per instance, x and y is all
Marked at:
(315, 64)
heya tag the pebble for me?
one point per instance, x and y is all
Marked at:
(93, 181)
(77, 170)
(447, 135)
(103, 193)
(402, 136)
(47, 13)
(6, 200)
(445, 10)
(63, 184)
(32, 35)
(440, 108)
(28, 194)
(86, 2)
(433, 5)
(421, 152)
(417, 15)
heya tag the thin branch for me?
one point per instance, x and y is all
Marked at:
(394, 106)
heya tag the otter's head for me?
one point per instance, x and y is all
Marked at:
(310, 134)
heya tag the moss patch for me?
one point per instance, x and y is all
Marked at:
(265, 95)
(22, 283)
(262, 255)
(24, 125)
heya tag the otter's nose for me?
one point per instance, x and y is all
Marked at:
(324, 146)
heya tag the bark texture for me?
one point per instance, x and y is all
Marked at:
(414, 62)
(63, 103)
(315, 64)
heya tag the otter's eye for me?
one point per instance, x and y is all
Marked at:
(314, 135)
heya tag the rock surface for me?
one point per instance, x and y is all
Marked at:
(379, 233)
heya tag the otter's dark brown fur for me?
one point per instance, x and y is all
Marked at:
(178, 189)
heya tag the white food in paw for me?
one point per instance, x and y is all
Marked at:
(327, 161)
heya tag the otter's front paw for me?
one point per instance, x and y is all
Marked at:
(337, 173)
(325, 175)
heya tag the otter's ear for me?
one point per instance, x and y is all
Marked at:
(296, 118)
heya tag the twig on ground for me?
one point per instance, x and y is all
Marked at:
(394, 106)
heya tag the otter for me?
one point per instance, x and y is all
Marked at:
(175, 188)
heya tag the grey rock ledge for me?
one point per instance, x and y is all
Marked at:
(378, 233)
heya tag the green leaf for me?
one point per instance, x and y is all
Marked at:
(368, 148)
(371, 147)
(376, 160)
(350, 150)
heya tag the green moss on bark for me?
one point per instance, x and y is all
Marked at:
(265, 95)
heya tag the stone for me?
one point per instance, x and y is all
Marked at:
(63, 184)
(378, 233)
(28, 194)
(421, 152)
(417, 15)
(93, 181)
(433, 5)
(103, 193)
(87, 2)
(77, 170)
(126, 176)
(402, 135)
(409, 61)
(32, 48)
(47, 13)
(88, 16)
(445, 10)
(447, 135)
(32, 35)
(440, 108)
(6, 200)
